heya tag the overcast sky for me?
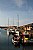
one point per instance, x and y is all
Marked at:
(14, 8)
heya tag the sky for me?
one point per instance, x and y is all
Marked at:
(13, 9)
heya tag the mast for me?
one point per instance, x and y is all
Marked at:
(18, 20)
(13, 21)
(8, 21)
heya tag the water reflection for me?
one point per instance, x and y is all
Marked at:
(6, 44)
(27, 47)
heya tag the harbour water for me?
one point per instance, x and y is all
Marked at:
(6, 44)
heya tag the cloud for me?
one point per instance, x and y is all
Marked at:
(19, 2)
(25, 21)
(30, 9)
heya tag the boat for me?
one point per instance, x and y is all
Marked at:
(16, 38)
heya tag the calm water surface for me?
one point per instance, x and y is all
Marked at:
(6, 44)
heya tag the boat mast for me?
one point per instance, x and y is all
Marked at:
(8, 21)
(13, 21)
(18, 20)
